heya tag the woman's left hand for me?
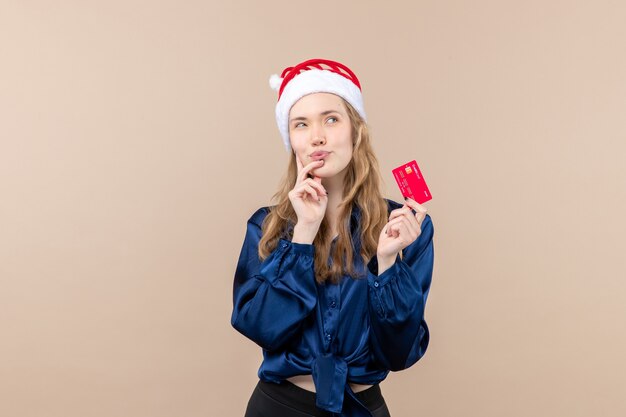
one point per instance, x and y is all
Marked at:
(401, 230)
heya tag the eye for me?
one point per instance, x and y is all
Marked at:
(298, 125)
(333, 118)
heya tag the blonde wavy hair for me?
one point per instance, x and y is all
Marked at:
(362, 186)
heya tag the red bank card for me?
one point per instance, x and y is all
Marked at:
(411, 182)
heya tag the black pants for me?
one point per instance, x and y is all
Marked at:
(289, 400)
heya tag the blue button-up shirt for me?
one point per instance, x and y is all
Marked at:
(354, 331)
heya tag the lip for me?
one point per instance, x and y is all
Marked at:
(316, 156)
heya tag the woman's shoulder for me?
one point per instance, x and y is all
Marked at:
(259, 215)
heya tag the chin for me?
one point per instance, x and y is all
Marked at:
(322, 174)
(325, 171)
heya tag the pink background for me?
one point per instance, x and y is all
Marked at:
(137, 137)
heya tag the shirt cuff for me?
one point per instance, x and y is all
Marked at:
(378, 281)
(300, 248)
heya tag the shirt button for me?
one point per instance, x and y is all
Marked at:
(284, 245)
(333, 304)
(328, 336)
(376, 284)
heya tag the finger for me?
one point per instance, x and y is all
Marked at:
(319, 189)
(390, 225)
(310, 190)
(413, 220)
(411, 230)
(393, 230)
(420, 215)
(300, 168)
(414, 227)
(315, 184)
(317, 164)
(305, 171)
(420, 210)
(401, 229)
(299, 164)
(399, 212)
(397, 220)
(415, 205)
(306, 189)
(420, 218)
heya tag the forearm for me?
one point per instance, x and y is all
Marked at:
(397, 298)
(272, 298)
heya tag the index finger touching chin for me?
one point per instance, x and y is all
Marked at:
(298, 163)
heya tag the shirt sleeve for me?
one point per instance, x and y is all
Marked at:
(271, 298)
(398, 332)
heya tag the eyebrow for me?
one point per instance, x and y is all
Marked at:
(324, 113)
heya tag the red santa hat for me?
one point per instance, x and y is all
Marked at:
(313, 76)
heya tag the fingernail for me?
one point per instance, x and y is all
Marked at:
(406, 198)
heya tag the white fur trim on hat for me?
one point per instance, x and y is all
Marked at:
(313, 81)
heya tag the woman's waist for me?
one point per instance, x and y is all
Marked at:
(306, 382)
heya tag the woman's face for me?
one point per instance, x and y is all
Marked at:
(319, 122)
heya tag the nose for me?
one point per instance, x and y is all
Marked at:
(319, 141)
(317, 135)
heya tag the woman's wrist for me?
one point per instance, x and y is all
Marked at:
(304, 233)
(384, 263)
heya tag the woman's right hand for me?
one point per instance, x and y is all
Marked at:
(308, 196)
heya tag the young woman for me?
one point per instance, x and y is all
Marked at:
(331, 281)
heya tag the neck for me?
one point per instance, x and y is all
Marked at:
(334, 187)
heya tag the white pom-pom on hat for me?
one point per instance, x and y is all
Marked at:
(275, 82)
